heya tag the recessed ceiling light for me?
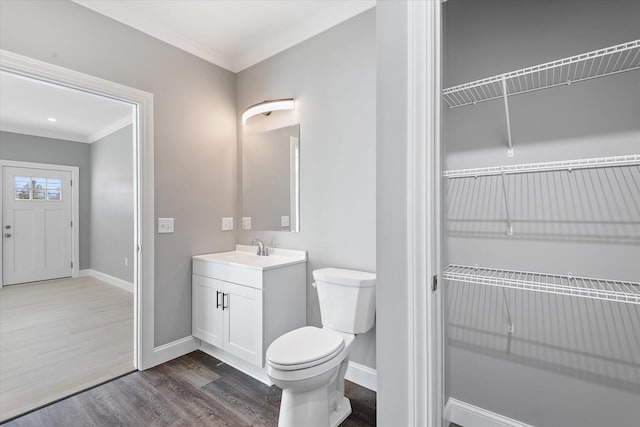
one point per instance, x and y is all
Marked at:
(52, 120)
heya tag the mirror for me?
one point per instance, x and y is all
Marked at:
(271, 180)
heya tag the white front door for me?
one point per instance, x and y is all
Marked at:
(36, 224)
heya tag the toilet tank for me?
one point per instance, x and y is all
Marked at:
(347, 299)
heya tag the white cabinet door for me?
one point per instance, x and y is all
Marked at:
(207, 316)
(243, 322)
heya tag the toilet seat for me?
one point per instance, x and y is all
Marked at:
(304, 348)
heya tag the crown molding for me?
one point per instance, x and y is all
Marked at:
(160, 32)
(28, 130)
(266, 47)
(270, 46)
(68, 136)
(108, 130)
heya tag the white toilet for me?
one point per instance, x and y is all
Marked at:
(309, 363)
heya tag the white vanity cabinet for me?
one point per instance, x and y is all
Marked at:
(229, 316)
(242, 302)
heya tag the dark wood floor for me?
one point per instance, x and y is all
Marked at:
(193, 390)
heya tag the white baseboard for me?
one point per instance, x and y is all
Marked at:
(362, 375)
(122, 284)
(356, 373)
(173, 350)
(468, 415)
(253, 371)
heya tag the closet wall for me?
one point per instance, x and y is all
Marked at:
(569, 361)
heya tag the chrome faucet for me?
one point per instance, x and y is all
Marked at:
(262, 249)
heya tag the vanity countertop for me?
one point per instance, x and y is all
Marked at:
(245, 256)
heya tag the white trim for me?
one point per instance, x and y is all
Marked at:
(299, 32)
(68, 136)
(264, 48)
(173, 350)
(425, 348)
(27, 130)
(362, 375)
(144, 183)
(356, 373)
(108, 130)
(468, 415)
(111, 280)
(235, 362)
(160, 32)
(75, 207)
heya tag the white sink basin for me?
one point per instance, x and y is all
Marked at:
(245, 256)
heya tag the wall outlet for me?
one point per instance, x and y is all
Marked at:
(165, 225)
(227, 223)
(246, 223)
(284, 221)
(126, 261)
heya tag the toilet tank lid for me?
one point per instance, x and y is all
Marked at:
(343, 276)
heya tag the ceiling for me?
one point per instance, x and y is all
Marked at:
(233, 34)
(26, 105)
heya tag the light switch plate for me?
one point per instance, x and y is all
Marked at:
(284, 221)
(246, 223)
(165, 225)
(227, 223)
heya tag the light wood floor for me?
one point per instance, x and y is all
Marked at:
(58, 337)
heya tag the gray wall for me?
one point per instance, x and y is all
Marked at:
(28, 148)
(391, 213)
(194, 131)
(570, 361)
(332, 77)
(112, 216)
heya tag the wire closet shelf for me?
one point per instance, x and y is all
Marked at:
(586, 287)
(568, 165)
(586, 66)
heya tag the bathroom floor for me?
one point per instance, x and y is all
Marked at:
(195, 389)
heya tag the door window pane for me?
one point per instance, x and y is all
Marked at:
(53, 195)
(22, 194)
(22, 181)
(22, 185)
(39, 183)
(36, 188)
(54, 184)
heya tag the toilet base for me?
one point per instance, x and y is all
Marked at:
(310, 410)
(341, 413)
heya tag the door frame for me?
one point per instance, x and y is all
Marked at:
(143, 183)
(75, 210)
(425, 304)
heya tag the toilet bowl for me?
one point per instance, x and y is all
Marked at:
(312, 383)
(309, 363)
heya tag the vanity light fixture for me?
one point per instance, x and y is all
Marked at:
(267, 107)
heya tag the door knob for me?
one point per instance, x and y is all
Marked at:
(7, 235)
(7, 227)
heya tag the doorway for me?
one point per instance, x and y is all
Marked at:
(141, 260)
(64, 329)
